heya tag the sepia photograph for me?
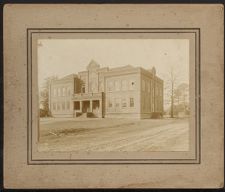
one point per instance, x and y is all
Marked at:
(121, 95)
(113, 96)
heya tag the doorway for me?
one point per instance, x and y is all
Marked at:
(86, 106)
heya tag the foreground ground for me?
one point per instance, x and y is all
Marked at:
(113, 135)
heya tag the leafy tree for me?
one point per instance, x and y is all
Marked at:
(44, 97)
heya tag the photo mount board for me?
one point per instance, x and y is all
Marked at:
(18, 76)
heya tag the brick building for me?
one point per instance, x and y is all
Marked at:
(130, 92)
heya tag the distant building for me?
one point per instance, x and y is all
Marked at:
(124, 92)
(181, 104)
(182, 107)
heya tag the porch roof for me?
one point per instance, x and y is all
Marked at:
(87, 96)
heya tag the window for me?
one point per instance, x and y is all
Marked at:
(77, 105)
(58, 92)
(58, 106)
(152, 86)
(63, 91)
(54, 106)
(156, 91)
(124, 102)
(91, 86)
(68, 91)
(109, 103)
(110, 86)
(63, 105)
(117, 102)
(150, 104)
(68, 105)
(149, 87)
(131, 102)
(124, 85)
(83, 88)
(143, 85)
(150, 82)
(101, 86)
(147, 103)
(143, 104)
(132, 85)
(117, 85)
(55, 92)
(94, 86)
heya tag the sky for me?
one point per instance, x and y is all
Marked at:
(62, 57)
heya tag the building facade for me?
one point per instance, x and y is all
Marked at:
(124, 92)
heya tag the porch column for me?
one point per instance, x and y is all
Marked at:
(91, 102)
(81, 106)
(100, 107)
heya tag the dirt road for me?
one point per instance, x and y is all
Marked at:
(114, 135)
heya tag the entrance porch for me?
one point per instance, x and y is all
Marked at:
(88, 107)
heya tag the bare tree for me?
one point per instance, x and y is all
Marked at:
(172, 79)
